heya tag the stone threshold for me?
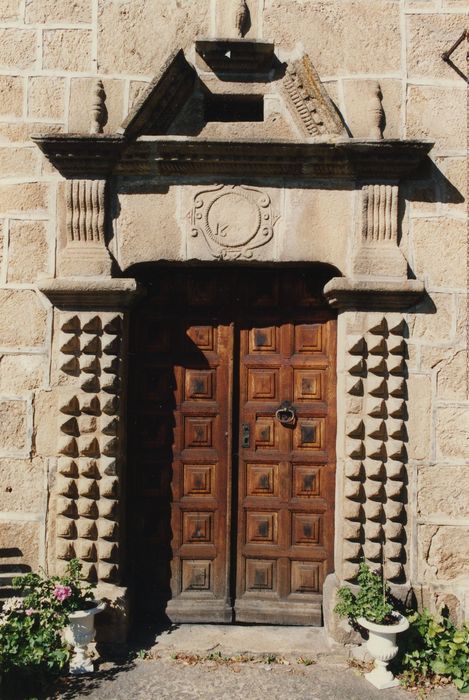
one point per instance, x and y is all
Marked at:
(245, 639)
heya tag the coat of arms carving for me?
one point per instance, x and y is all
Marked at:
(234, 220)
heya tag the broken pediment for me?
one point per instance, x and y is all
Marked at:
(235, 89)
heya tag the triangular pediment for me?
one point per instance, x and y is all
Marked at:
(235, 89)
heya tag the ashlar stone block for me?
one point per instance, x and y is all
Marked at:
(427, 39)
(17, 48)
(452, 432)
(21, 372)
(51, 11)
(28, 250)
(329, 33)
(67, 49)
(443, 552)
(450, 501)
(435, 113)
(22, 162)
(15, 438)
(23, 318)
(452, 377)
(438, 243)
(22, 485)
(46, 98)
(22, 539)
(126, 32)
(23, 197)
(11, 96)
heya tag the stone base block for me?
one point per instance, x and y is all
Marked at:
(337, 628)
(112, 625)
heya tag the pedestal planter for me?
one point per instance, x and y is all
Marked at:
(79, 633)
(381, 645)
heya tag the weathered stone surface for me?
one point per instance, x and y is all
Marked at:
(305, 233)
(453, 184)
(147, 227)
(443, 552)
(329, 33)
(126, 34)
(23, 541)
(17, 48)
(435, 113)
(2, 230)
(356, 95)
(14, 438)
(11, 96)
(28, 250)
(443, 492)
(438, 243)
(46, 98)
(21, 133)
(462, 310)
(22, 486)
(21, 162)
(79, 113)
(23, 318)
(452, 377)
(136, 90)
(45, 423)
(426, 41)
(10, 9)
(67, 49)
(49, 11)
(23, 197)
(419, 408)
(21, 372)
(452, 432)
(434, 322)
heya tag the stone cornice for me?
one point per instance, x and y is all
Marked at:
(368, 295)
(90, 292)
(94, 156)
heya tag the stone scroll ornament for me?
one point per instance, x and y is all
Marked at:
(88, 464)
(375, 467)
(234, 220)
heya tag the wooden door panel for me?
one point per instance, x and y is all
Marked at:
(271, 564)
(285, 508)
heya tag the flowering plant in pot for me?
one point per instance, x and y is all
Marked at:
(34, 636)
(372, 609)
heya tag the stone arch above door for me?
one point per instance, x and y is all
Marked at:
(308, 194)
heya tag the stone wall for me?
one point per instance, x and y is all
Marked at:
(50, 55)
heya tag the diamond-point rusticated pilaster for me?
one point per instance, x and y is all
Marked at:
(375, 469)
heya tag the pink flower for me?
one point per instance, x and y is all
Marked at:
(29, 612)
(62, 592)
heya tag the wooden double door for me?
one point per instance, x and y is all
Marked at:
(232, 446)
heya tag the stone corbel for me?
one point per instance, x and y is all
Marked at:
(376, 252)
(83, 224)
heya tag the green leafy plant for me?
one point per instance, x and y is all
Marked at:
(435, 647)
(31, 641)
(371, 602)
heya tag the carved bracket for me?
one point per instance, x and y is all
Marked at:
(85, 252)
(376, 251)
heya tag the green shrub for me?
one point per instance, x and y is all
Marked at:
(371, 602)
(435, 647)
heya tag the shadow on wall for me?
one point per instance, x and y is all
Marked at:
(9, 568)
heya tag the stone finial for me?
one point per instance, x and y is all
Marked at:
(375, 112)
(98, 108)
(241, 18)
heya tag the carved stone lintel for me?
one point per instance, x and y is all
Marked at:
(88, 292)
(343, 293)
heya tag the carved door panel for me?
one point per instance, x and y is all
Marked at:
(234, 510)
(182, 452)
(286, 470)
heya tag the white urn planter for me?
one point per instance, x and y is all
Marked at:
(382, 647)
(79, 633)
